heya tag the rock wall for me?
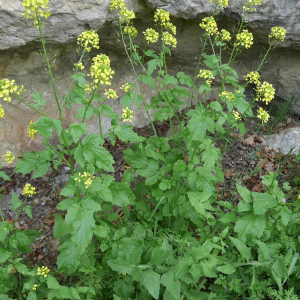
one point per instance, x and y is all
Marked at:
(20, 57)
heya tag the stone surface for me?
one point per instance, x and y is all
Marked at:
(20, 57)
(285, 140)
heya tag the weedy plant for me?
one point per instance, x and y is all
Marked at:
(175, 240)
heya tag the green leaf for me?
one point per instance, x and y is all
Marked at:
(61, 228)
(69, 258)
(52, 283)
(90, 152)
(121, 266)
(78, 94)
(27, 211)
(4, 255)
(44, 126)
(101, 190)
(4, 176)
(159, 255)
(15, 202)
(150, 280)
(180, 92)
(41, 169)
(80, 215)
(216, 106)
(226, 269)
(197, 199)
(285, 214)
(37, 99)
(231, 80)
(244, 193)
(185, 79)
(196, 125)
(242, 248)
(79, 77)
(200, 252)
(250, 225)
(125, 133)
(81, 110)
(262, 202)
(195, 295)
(101, 231)
(5, 228)
(127, 99)
(170, 80)
(153, 64)
(27, 163)
(172, 285)
(77, 130)
(146, 79)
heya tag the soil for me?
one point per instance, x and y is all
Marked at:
(243, 156)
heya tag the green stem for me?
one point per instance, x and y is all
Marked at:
(88, 105)
(65, 97)
(2, 218)
(58, 154)
(20, 211)
(48, 64)
(140, 87)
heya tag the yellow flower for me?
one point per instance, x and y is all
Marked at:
(28, 190)
(1, 111)
(169, 26)
(30, 130)
(100, 70)
(126, 15)
(207, 75)
(127, 114)
(88, 40)
(116, 4)
(123, 274)
(209, 25)
(227, 95)
(86, 178)
(34, 287)
(110, 93)
(265, 92)
(253, 77)
(151, 35)
(126, 87)
(278, 33)
(8, 87)
(87, 88)
(35, 9)
(161, 17)
(79, 65)
(263, 115)
(169, 39)
(222, 3)
(244, 39)
(131, 31)
(8, 157)
(251, 3)
(225, 35)
(236, 115)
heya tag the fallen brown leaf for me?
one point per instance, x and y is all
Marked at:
(249, 141)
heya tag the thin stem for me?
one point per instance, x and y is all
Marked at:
(48, 65)
(2, 218)
(132, 66)
(20, 211)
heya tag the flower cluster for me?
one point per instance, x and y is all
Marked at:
(131, 31)
(34, 287)
(116, 4)
(8, 87)
(162, 17)
(250, 3)
(79, 65)
(278, 33)
(209, 25)
(127, 114)
(225, 36)
(87, 88)
(43, 271)
(126, 87)
(28, 190)
(100, 70)
(222, 3)
(169, 26)
(86, 178)
(30, 130)
(8, 157)
(169, 39)
(151, 35)
(207, 75)
(126, 15)
(253, 77)
(35, 9)
(265, 92)
(236, 115)
(110, 94)
(263, 115)
(88, 40)
(244, 39)
(1, 111)
(227, 95)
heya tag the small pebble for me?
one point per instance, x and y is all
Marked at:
(36, 201)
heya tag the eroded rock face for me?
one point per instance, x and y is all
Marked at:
(20, 57)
